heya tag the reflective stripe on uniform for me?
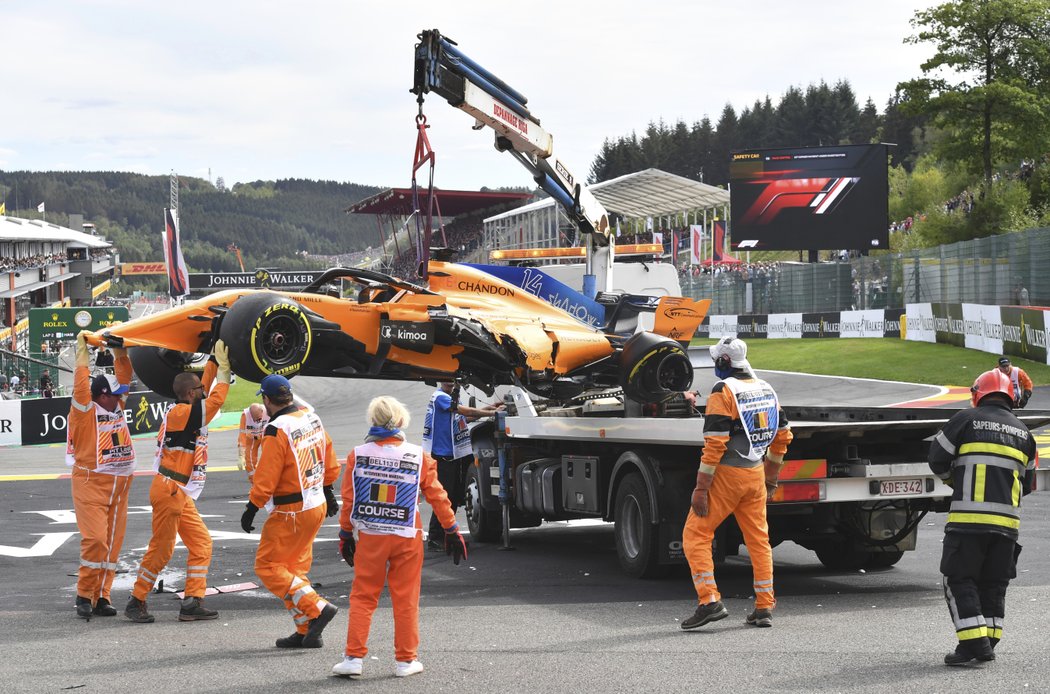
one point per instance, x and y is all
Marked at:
(985, 518)
(974, 459)
(969, 623)
(984, 507)
(994, 449)
(705, 577)
(979, 474)
(975, 633)
(944, 443)
(301, 593)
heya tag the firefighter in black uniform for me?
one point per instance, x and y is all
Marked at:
(987, 456)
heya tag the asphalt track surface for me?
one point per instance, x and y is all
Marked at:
(556, 615)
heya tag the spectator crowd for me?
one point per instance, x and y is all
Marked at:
(31, 261)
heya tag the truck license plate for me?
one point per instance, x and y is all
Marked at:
(899, 487)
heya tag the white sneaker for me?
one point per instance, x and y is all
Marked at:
(411, 668)
(350, 667)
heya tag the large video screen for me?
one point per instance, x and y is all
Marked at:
(810, 198)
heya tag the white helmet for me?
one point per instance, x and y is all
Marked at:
(731, 349)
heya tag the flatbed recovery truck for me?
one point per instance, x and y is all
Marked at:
(855, 484)
(854, 487)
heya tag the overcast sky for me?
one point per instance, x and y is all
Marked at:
(252, 90)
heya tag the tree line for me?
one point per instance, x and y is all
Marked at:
(819, 115)
(280, 222)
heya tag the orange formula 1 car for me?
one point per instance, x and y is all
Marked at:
(467, 325)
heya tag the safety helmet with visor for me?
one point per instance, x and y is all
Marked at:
(989, 383)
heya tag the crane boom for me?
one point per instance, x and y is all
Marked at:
(441, 68)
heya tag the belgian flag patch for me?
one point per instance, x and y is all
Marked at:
(384, 493)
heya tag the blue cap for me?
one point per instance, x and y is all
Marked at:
(274, 385)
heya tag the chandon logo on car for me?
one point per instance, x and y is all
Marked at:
(481, 288)
(416, 336)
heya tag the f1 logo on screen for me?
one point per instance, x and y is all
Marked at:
(810, 198)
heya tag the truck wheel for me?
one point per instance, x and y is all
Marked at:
(266, 334)
(636, 535)
(157, 367)
(485, 526)
(843, 556)
(883, 560)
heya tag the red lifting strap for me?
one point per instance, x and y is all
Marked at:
(424, 228)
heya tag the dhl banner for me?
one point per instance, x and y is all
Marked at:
(143, 269)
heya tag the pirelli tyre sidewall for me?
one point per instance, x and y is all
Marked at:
(267, 334)
(653, 368)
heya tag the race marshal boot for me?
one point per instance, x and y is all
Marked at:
(193, 610)
(711, 612)
(973, 650)
(104, 609)
(312, 639)
(136, 611)
(293, 641)
(761, 617)
(84, 608)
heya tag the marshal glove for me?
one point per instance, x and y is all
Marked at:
(248, 517)
(704, 478)
(331, 502)
(455, 545)
(347, 546)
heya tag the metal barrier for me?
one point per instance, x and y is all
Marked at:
(1003, 270)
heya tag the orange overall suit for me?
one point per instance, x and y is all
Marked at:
(249, 441)
(181, 465)
(99, 449)
(295, 463)
(385, 513)
(739, 487)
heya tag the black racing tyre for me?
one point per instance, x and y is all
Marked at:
(843, 556)
(884, 560)
(636, 535)
(156, 367)
(654, 367)
(266, 334)
(485, 526)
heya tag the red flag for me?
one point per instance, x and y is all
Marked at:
(178, 276)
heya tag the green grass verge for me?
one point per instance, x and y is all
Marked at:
(242, 394)
(887, 359)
